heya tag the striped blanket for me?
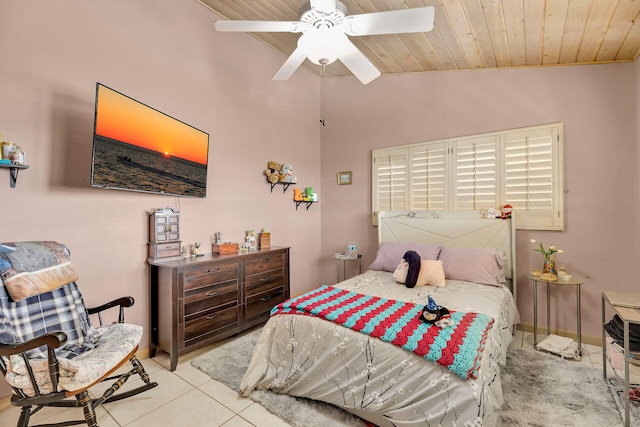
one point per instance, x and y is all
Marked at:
(458, 347)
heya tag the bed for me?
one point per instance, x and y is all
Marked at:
(374, 371)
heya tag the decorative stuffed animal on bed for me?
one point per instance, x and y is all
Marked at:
(400, 274)
(288, 176)
(272, 172)
(413, 259)
(435, 314)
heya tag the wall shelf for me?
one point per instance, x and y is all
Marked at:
(285, 185)
(308, 202)
(13, 172)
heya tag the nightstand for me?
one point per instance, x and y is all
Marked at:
(344, 258)
(629, 313)
(572, 282)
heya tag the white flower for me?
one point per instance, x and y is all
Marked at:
(546, 253)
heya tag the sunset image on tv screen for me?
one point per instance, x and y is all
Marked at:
(139, 148)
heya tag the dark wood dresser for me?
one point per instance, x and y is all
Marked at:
(198, 301)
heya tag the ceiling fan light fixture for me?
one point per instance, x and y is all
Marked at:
(322, 46)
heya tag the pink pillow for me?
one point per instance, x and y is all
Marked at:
(390, 254)
(478, 265)
(431, 273)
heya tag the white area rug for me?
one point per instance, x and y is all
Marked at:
(539, 390)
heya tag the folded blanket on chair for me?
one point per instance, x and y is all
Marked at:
(35, 268)
(458, 347)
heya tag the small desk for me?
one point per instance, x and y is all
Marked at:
(572, 282)
(628, 315)
(344, 258)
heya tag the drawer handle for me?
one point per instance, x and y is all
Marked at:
(211, 270)
(266, 280)
(265, 260)
(212, 293)
(266, 298)
(212, 316)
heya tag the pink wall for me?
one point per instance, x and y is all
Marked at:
(168, 55)
(600, 116)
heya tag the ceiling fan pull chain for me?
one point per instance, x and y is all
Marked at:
(322, 73)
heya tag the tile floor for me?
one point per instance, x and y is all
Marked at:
(188, 397)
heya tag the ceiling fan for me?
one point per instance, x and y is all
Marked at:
(325, 25)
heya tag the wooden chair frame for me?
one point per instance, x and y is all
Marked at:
(32, 404)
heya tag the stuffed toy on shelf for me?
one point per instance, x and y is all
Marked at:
(273, 172)
(287, 174)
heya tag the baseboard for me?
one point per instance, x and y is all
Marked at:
(143, 354)
(542, 330)
(5, 403)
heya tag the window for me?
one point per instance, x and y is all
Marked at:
(520, 167)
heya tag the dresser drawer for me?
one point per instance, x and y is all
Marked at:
(167, 236)
(264, 263)
(203, 276)
(263, 282)
(164, 250)
(210, 323)
(263, 303)
(210, 297)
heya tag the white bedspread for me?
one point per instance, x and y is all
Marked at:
(378, 381)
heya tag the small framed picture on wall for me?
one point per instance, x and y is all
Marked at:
(344, 178)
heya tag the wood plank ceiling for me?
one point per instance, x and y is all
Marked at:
(472, 34)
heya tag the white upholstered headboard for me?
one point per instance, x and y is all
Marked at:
(452, 228)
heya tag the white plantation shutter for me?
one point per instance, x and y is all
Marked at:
(427, 175)
(520, 167)
(476, 173)
(532, 176)
(390, 170)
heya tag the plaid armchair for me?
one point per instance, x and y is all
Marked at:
(50, 353)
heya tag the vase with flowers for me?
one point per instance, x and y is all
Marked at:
(549, 260)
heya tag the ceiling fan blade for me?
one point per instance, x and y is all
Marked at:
(357, 62)
(415, 20)
(325, 6)
(290, 65)
(260, 26)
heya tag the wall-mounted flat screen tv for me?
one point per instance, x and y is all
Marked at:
(138, 148)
